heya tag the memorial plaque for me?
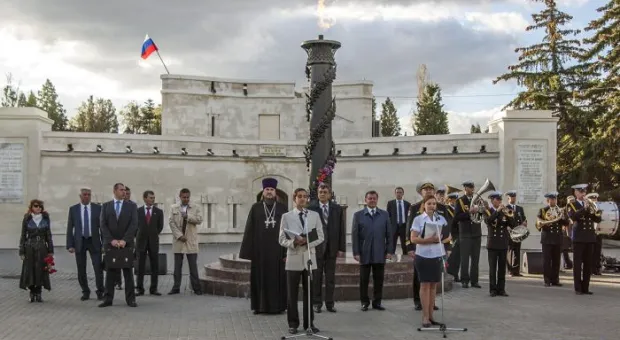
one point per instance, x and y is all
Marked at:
(11, 173)
(531, 171)
(272, 151)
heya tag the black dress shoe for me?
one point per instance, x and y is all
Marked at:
(378, 307)
(493, 294)
(119, 287)
(456, 279)
(331, 309)
(174, 291)
(254, 312)
(38, 298)
(105, 304)
(198, 292)
(364, 308)
(475, 285)
(31, 297)
(435, 323)
(156, 293)
(314, 329)
(292, 330)
(435, 308)
(502, 293)
(139, 292)
(464, 284)
(418, 306)
(557, 284)
(132, 304)
(100, 296)
(516, 274)
(578, 293)
(587, 293)
(317, 309)
(85, 297)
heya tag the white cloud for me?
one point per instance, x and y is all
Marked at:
(505, 22)
(458, 122)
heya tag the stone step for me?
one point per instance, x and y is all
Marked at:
(349, 292)
(216, 270)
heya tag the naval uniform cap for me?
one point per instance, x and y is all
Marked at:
(440, 188)
(495, 194)
(468, 183)
(453, 195)
(592, 195)
(511, 193)
(552, 194)
(580, 187)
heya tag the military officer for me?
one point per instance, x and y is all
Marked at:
(499, 221)
(454, 260)
(551, 238)
(514, 248)
(584, 237)
(440, 194)
(470, 237)
(598, 246)
(424, 189)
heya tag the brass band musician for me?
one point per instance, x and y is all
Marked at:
(470, 236)
(567, 244)
(584, 214)
(499, 220)
(551, 221)
(598, 246)
(514, 248)
(454, 260)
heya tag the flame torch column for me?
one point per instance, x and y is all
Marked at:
(320, 111)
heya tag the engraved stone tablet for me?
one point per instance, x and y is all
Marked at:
(11, 173)
(531, 171)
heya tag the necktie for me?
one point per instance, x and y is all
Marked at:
(301, 219)
(400, 212)
(148, 215)
(372, 212)
(86, 226)
(117, 207)
(325, 211)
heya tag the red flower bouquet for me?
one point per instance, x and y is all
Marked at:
(49, 264)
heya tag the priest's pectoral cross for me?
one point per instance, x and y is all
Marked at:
(270, 221)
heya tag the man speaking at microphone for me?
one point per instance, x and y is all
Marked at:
(300, 233)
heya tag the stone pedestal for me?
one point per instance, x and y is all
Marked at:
(231, 277)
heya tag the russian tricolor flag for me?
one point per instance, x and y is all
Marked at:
(148, 47)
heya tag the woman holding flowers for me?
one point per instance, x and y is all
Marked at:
(36, 250)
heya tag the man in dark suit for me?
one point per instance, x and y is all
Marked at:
(83, 237)
(119, 223)
(372, 244)
(513, 260)
(334, 246)
(397, 210)
(150, 225)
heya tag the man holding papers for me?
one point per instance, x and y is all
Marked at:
(300, 232)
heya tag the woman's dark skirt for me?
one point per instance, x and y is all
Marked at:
(428, 269)
(33, 266)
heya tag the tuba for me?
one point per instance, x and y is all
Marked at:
(591, 206)
(451, 190)
(478, 201)
(553, 215)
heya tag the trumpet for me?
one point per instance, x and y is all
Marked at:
(553, 215)
(506, 211)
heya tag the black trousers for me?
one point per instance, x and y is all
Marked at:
(470, 250)
(402, 234)
(193, 271)
(514, 257)
(153, 256)
(378, 270)
(497, 270)
(598, 252)
(582, 265)
(454, 261)
(112, 276)
(416, 287)
(326, 268)
(551, 262)
(292, 293)
(568, 263)
(95, 259)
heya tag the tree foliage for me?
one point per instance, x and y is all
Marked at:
(10, 93)
(430, 118)
(48, 102)
(390, 126)
(475, 128)
(95, 115)
(145, 119)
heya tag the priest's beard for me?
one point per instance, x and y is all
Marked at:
(269, 201)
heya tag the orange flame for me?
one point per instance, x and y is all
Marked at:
(325, 22)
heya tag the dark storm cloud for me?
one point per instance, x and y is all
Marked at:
(247, 39)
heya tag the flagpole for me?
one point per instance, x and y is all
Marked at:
(162, 61)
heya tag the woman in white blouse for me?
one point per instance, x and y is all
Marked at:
(429, 253)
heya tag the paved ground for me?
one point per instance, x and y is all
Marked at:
(531, 312)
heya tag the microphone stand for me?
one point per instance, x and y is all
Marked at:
(442, 326)
(309, 332)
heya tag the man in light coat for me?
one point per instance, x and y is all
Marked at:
(297, 227)
(184, 221)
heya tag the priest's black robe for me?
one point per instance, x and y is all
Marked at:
(260, 245)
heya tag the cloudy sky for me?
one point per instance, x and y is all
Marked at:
(93, 47)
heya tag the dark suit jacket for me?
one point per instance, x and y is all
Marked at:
(582, 229)
(498, 226)
(372, 236)
(466, 227)
(124, 228)
(334, 230)
(148, 233)
(74, 227)
(393, 212)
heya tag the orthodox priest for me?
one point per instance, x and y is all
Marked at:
(260, 245)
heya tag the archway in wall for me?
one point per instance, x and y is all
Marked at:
(281, 197)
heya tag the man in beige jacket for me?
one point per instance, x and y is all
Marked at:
(184, 220)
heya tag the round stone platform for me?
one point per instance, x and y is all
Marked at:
(231, 277)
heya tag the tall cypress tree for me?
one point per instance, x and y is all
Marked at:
(430, 118)
(551, 75)
(48, 102)
(390, 126)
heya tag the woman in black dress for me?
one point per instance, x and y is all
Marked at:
(35, 245)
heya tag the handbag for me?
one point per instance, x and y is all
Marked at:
(118, 258)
